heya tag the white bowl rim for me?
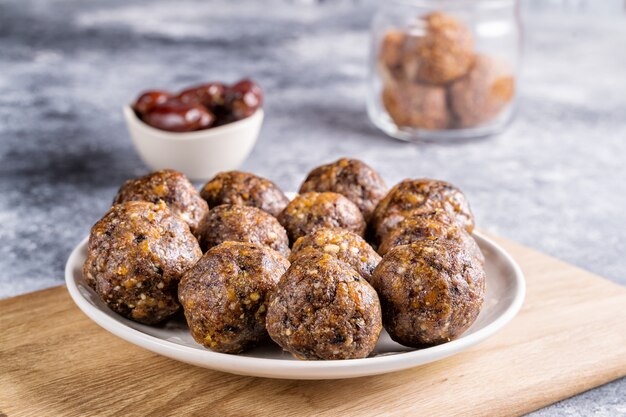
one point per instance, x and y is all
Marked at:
(210, 133)
(256, 366)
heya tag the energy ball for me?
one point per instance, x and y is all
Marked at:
(416, 105)
(343, 245)
(483, 93)
(135, 257)
(430, 225)
(412, 196)
(225, 295)
(441, 50)
(391, 54)
(427, 225)
(430, 291)
(323, 309)
(311, 211)
(353, 179)
(242, 224)
(244, 189)
(170, 186)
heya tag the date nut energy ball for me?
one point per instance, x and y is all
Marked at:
(244, 189)
(429, 225)
(311, 211)
(442, 51)
(391, 54)
(410, 196)
(353, 179)
(323, 309)
(225, 295)
(417, 105)
(430, 291)
(242, 224)
(170, 186)
(135, 257)
(483, 93)
(343, 245)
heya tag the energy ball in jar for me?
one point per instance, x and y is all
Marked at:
(353, 179)
(311, 211)
(430, 225)
(483, 93)
(225, 295)
(412, 196)
(391, 55)
(170, 186)
(323, 309)
(135, 257)
(417, 105)
(242, 224)
(430, 291)
(343, 245)
(442, 51)
(244, 189)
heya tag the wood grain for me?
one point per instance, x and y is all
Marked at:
(569, 337)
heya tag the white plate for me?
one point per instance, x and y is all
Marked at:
(504, 297)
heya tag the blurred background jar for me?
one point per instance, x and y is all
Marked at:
(444, 69)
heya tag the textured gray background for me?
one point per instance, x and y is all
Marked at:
(554, 181)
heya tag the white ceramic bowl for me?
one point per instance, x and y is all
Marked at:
(199, 155)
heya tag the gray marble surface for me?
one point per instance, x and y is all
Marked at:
(555, 181)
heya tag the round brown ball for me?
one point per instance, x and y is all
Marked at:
(391, 54)
(323, 309)
(311, 211)
(169, 186)
(135, 257)
(353, 179)
(444, 52)
(483, 93)
(343, 245)
(416, 105)
(244, 189)
(225, 295)
(430, 291)
(430, 225)
(412, 196)
(242, 224)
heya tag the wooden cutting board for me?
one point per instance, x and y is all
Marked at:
(569, 337)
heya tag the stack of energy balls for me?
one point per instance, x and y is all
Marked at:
(301, 272)
(434, 79)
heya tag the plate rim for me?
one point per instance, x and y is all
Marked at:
(287, 369)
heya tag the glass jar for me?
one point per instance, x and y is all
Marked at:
(444, 69)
